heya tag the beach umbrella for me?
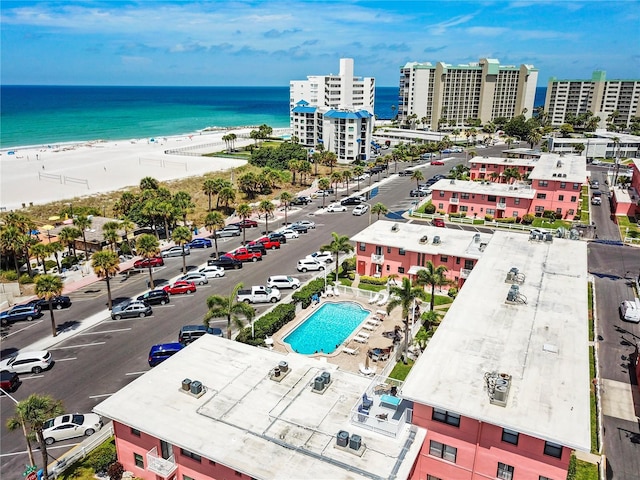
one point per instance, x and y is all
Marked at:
(54, 218)
(380, 342)
(68, 221)
(47, 228)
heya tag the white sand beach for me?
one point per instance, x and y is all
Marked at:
(40, 175)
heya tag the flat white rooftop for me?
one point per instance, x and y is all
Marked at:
(257, 426)
(410, 236)
(542, 344)
(517, 190)
(566, 168)
(507, 162)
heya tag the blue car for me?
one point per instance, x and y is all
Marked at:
(20, 312)
(200, 243)
(159, 353)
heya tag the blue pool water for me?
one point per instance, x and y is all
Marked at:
(326, 328)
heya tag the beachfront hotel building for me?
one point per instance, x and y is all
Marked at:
(335, 111)
(509, 397)
(484, 90)
(599, 144)
(385, 248)
(599, 96)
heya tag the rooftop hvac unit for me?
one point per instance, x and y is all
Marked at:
(318, 385)
(342, 439)
(186, 384)
(355, 442)
(476, 238)
(453, 180)
(196, 387)
(424, 239)
(559, 163)
(283, 366)
(512, 294)
(548, 237)
(326, 377)
(394, 227)
(436, 240)
(554, 174)
(512, 274)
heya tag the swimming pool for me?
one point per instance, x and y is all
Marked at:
(326, 328)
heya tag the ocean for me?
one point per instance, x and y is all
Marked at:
(46, 115)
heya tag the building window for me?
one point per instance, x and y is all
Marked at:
(553, 449)
(431, 477)
(443, 451)
(563, 184)
(541, 196)
(363, 246)
(515, 214)
(491, 198)
(464, 208)
(139, 461)
(576, 186)
(490, 211)
(561, 198)
(445, 417)
(543, 478)
(400, 269)
(442, 193)
(464, 196)
(388, 249)
(191, 455)
(186, 477)
(516, 201)
(440, 206)
(444, 259)
(543, 183)
(573, 199)
(505, 471)
(401, 251)
(388, 267)
(135, 432)
(539, 209)
(510, 436)
(468, 264)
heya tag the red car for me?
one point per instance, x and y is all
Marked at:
(437, 222)
(146, 262)
(245, 255)
(437, 162)
(180, 287)
(268, 243)
(246, 223)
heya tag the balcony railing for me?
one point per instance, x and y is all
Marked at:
(159, 465)
(377, 259)
(455, 200)
(464, 272)
(501, 206)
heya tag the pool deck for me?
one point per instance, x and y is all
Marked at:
(346, 361)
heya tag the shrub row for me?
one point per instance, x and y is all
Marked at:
(305, 294)
(268, 324)
(373, 280)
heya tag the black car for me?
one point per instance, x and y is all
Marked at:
(299, 228)
(9, 381)
(417, 193)
(256, 247)
(56, 302)
(278, 237)
(352, 201)
(155, 297)
(227, 263)
(405, 173)
(300, 201)
(189, 333)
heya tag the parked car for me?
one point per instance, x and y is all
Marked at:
(20, 312)
(437, 222)
(9, 381)
(321, 256)
(211, 271)
(447, 150)
(418, 193)
(160, 352)
(278, 236)
(405, 173)
(258, 294)
(195, 277)
(302, 200)
(131, 309)
(267, 242)
(229, 231)
(58, 303)
(180, 287)
(245, 255)
(304, 223)
(28, 362)
(246, 223)
(155, 297)
(310, 264)
(364, 176)
(437, 162)
(176, 251)
(70, 426)
(299, 228)
(360, 209)
(226, 263)
(357, 200)
(200, 243)
(595, 161)
(288, 233)
(283, 281)
(437, 176)
(189, 333)
(258, 247)
(324, 193)
(146, 262)
(595, 185)
(336, 207)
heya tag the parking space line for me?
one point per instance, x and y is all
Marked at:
(106, 331)
(65, 359)
(32, 376)
(100, 396)
(135, 373)
(79, 346)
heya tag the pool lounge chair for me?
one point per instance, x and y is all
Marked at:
(360, 339)
(351, 351)
(376, 298)
(384, 299)
(335, 291)
(373, 321)
(369, 327)
(329, 291)
(364, 334)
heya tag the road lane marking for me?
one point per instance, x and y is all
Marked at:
(79, 346)
(106, 331)
(32, 376)
(135, 373)
(66, 359)
(100, 396)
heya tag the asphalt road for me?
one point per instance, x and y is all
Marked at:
(98, 362)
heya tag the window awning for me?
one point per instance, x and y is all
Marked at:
(415, 269)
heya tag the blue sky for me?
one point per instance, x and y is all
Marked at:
(257, 42)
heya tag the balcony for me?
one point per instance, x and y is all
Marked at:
(464, 272)
(159, 465)
(454, 200)
(501, 206)
(377, 259)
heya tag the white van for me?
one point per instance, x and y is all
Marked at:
(630, 310)
(283, 281)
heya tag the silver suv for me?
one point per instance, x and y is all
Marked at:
(199, 278)
(131, 309)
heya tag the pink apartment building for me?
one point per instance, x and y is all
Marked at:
(385, 248)
(501, 391)
(626, 201)
(554, 183)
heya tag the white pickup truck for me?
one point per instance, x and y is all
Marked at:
(259, 294)
(630, 310)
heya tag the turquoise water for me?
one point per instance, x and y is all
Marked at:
(326, 328)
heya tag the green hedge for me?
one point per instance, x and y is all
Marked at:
(458, 215)
(268, 324)
(373, 280)
(506, 220)
(305, 294)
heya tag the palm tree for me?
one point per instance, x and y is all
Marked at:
(106, 264)
(214, 221)
(127, 226)
(379, 209)
(434, 276)
(404, 296)
(267, 207)
(330, 160)
(323, 184)
(183, 205)
(358, 171)
(346, 176)
(229, 307)
(54, 249)
(339, 244)
(181, 236)
(68, 237)
(31, 414)
(110, 234)
(82, 222)
(335, 178)
(227, 195)
(40, 251)
(418, 176)
(244, 211)
(147, 246)
(149, 183)
(9, 242)
(209, 189)
(48, 287)
(285, 198)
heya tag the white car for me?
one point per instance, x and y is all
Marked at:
(360, 209)
(283, 281)
(70, 426)
(309, 264)
(28, 362)
(305, 223)
(289, 234)
(336, 207)
(364, 176)
(198, 278)
(212, 271)
(326, 257)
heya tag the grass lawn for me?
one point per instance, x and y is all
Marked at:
(400, 371)
(628, 227)
(370, 287)
(540, 222)
(439, 300)
(586, 471)
(590, 310)
(594, 408)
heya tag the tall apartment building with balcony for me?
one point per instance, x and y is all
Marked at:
(336, 111)
(599, 96)
(485, 90)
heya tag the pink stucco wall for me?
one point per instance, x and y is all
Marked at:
(484, 171)
(481, 204)
(480, 448)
